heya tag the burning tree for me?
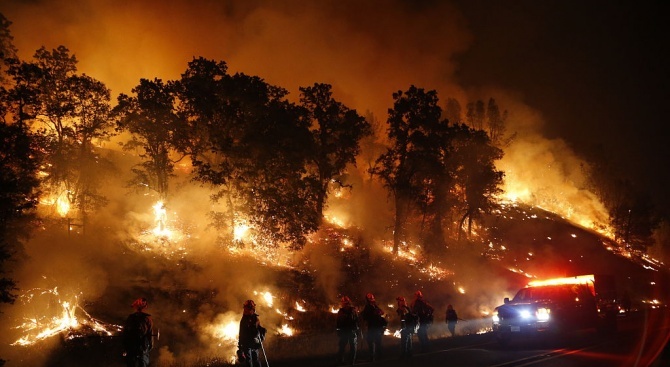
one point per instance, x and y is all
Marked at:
(337, 131)
(407, 167)
(150, 117)
(252, 145)
(70, 112)
(434, 168)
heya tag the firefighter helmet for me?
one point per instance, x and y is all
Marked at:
(249, 304)
(140, 304)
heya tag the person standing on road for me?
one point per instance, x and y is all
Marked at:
(347, 330)
(409, 322)
(451, 319)
(376, 323)
(425, 312)
(251, 336)
(138, 335)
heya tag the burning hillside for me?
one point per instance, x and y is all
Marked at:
(196, 298)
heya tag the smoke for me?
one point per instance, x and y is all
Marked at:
(367, 50)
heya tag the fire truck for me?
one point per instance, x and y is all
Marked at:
(556, 306)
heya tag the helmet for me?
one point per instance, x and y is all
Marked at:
(345, 300)
(370, 297)
(249, 304)
(140, 304)
(400, 299)
(418, 294)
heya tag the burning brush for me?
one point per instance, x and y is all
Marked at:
(60, 317)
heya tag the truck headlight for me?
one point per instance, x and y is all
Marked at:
(543, 314)
(525, 314)
(495, 317)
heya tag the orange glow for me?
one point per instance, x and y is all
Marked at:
(581, 279)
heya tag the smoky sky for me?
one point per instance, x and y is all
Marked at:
(593, 73)
(596, 70)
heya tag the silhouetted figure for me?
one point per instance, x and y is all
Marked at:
(347, 330)
(409, 323)
(138, 335)
(451, 319)
(376, 323)
(425, 313)
(251, 336)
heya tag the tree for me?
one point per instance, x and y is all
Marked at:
(453, 112)
(18, 194)
(247, 141)
(496, 122)
(7, 48)
(69, 112)
(19, 162)
(336, 131)
(477, 182)
(475, 114)
(631, 213)
(416, 133)
(151, 119)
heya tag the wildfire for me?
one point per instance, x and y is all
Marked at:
(160, 214)
(240, 231)
(285, 330)
(227, 331)
(59, 202)
(299, 307)
(65, 320)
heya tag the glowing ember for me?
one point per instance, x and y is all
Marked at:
(285, 330)
(461, 290)
(299, 307)
(160, 214)
(65, 320)
(240, 231)
(267, 297)
(227, 331)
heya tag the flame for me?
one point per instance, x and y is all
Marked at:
(227, 331)
(285, 330)
(334, 309)
(267, 297)
(37, 328)
(160, 217)
(59, 201)
(299, 307)
(240, 231)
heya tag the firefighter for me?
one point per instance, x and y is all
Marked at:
(347, 330)
(376, 324)
(251, 336)
(138, 335)
(451, 319)
(409, 322)
(425, 312)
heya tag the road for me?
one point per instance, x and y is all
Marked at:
(641, 340)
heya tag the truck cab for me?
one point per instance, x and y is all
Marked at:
(549, 306)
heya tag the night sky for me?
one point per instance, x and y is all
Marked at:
(598, 72)
(592, 74)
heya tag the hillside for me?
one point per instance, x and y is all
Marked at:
(196, 298)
